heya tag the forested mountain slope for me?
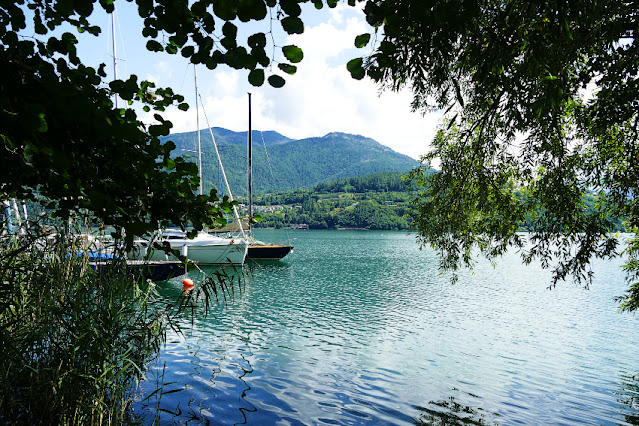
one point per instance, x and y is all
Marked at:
(280, 163)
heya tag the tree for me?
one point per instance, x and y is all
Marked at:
(66, 145)
(541, 105)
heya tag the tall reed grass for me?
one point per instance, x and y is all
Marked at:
(73, 342)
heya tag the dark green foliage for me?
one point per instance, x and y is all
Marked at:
(521, 142)
(290, 164)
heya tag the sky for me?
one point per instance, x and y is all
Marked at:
(320, 98)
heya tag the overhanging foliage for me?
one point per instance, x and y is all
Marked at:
(541, 98)
(64, 142)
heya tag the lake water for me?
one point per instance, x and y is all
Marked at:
(359, 327)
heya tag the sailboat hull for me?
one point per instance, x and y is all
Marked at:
(203, 249)
(268, 252)
(202, 255)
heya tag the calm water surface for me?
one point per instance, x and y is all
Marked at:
(359, 327)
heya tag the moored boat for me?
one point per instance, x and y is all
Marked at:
(259, 250)
(204, 249)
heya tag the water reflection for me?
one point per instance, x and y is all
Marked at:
(449, 412)
(628, 395)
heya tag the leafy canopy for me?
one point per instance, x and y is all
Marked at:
(541, 102)
(64, 143)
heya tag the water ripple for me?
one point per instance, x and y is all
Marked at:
(360, 328)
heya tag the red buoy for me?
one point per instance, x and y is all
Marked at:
(187, 282)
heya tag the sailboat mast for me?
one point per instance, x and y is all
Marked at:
(115, 53)
(197, 124)
(250, 166)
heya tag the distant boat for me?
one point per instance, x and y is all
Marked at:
(259, 250)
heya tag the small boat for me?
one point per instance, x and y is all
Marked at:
(259, 250)
(204, 249)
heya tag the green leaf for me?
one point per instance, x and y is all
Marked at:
(292, 25)
(229, 30)
(154, 46)
(69, 38)
(354, 66)
(291, 7)
(42, 123)
(257, 40)
(107, 5)
(225, 9)
(293, 53)
(251, 9)
(375, 73)
(198, 8)
(150, 32)
(169, 164)
(256, 77)
(287, 68)
(158, 130)
(238, 58)
(179, 39)
(188, 51)
(260, 55)
(40, 28)
(362, 40)
(228, 43)
(276, 81)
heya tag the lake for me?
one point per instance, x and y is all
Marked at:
(360, 327)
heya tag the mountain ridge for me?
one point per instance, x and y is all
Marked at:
(281, 163)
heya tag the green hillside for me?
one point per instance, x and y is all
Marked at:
(375, 201)
(281, 164)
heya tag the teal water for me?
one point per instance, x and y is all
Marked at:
(359, 327)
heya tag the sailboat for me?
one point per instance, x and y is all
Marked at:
(204, 249)
(259, 250)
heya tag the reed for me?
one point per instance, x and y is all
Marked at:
(73, 343)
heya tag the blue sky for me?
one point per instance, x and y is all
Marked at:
(320, 98)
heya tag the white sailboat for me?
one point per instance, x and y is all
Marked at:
(204, 249)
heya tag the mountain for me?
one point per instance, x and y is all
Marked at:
(281, 163)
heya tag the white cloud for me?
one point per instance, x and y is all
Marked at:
(320, 98)
(162, 70)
